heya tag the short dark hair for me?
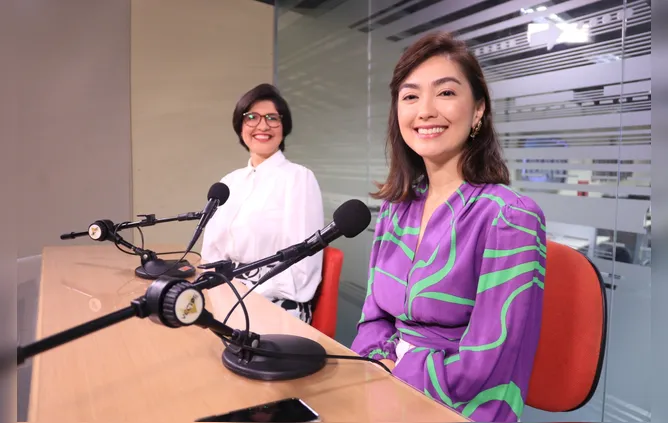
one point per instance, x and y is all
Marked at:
(260, 93)
(481, 161)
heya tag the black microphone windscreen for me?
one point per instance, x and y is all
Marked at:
(219, 191)
(352, 217)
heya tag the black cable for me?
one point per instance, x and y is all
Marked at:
(240, 301)
(270, 274)
(214, 275)
(141, 234)
(275, 354)
(174, 266)
(116, 240)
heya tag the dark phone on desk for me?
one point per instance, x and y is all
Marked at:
(285, 410)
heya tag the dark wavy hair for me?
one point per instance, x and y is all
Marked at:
(260, 93)
(481, 162)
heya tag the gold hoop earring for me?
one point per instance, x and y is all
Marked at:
(476, 129)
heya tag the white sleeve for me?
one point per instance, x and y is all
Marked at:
(303, 217)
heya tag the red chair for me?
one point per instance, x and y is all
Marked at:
(572, 341)
(327, 296)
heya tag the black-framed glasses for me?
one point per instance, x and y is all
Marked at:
(253, 119)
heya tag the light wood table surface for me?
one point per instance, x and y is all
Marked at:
(140, 371)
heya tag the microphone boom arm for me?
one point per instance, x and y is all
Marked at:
(148, 220)
(287, 257)
(151, 265)
(136, 309)
(161, 304)
(225, 267)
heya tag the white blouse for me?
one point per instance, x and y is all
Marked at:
(271, 207)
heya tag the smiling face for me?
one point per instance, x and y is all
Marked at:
(262, 130)
(436, 110)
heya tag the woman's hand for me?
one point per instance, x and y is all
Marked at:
(389, 363)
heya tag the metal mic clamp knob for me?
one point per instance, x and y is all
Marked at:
(182, 305)
(101, 230)
(161, 310)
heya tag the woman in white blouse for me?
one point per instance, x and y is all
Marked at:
(273, 204)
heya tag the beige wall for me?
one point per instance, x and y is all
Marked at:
(74, 122)
(83, 77)
(71, 60)
(76, 94)
(191, 61)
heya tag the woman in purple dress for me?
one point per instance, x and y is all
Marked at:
(455, 288)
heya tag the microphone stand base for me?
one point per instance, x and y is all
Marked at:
(261, 367)
(155, 268)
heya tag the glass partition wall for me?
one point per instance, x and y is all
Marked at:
(570, 81)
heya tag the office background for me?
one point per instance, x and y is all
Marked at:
(571, 85)
(130, 105)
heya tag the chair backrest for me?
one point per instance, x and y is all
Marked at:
(327, 297)
(572, 341)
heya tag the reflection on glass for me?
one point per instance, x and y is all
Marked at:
(571, 85)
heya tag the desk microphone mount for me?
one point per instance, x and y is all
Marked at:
(175, 303)
(151, 265)
(168, 301)
(286, 356)
(265, 357)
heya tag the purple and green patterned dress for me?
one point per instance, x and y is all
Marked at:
(466, 308)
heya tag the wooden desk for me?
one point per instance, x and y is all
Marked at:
(138, 370)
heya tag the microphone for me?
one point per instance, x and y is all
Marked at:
(291, 356)
(218, 194)
(151, 265)
(349, 220)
